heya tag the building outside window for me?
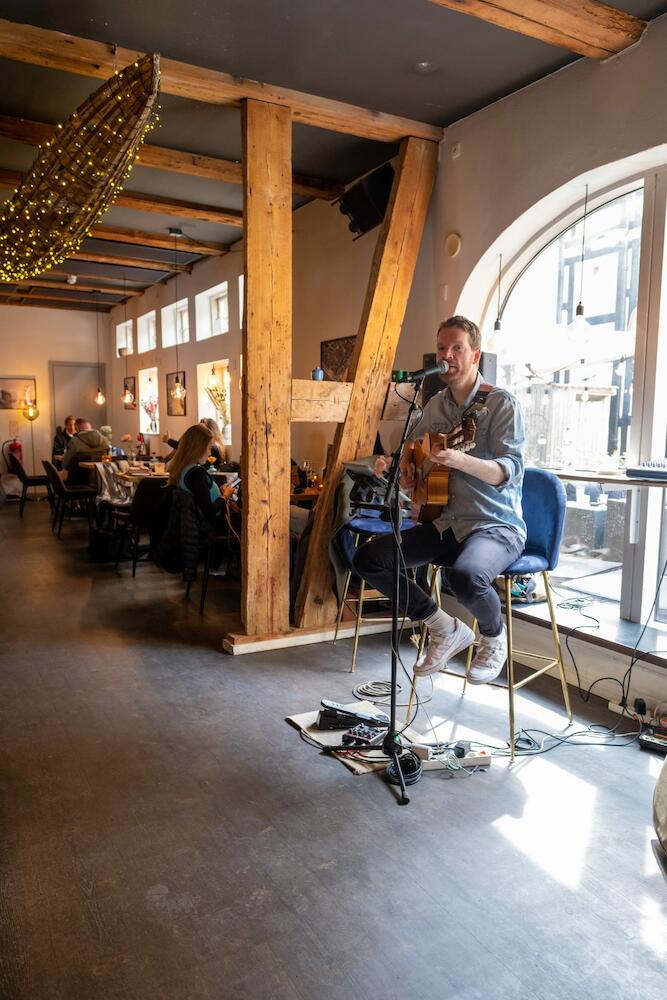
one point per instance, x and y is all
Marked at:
(573, 377)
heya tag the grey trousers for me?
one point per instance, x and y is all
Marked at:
(470, 566)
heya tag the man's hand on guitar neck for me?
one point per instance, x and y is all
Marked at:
(481, 468)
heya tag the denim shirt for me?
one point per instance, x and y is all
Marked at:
(475, 505)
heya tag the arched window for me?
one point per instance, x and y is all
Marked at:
(573, 374)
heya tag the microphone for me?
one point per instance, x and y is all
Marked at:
(438, 369)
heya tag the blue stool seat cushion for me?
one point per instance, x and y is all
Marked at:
(368, 525)
(526, 564)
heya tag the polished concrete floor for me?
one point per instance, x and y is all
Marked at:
(166, 836)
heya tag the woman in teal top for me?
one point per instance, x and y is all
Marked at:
(188, 471)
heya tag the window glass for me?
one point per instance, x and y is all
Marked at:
(573, 374)
(124, 339)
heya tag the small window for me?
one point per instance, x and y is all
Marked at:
(212, 312)
(241, 300)
(124, 339)
(175, 324)
(219, 313)
(146, 332)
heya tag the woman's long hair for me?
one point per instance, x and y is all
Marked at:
(190, 450)
(215, 432)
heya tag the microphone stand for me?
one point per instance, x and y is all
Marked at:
(391, 506)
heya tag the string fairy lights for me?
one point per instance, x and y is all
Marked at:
(78, 173)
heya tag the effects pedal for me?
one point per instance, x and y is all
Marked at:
(333, 715)
(363, 736)
(653, 738)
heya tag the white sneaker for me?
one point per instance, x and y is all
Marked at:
(441, 648)
(490, 658)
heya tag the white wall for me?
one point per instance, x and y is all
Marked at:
(29, 339)
(209, 272)
(331, 272)
(525, 160)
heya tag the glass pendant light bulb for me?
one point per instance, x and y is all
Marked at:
(127, 397)
(100, 398)
(178, 392)
(30, 412)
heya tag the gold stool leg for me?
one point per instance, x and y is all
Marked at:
(436, 596)
(342, 603)
(559, 653)
(410, 700)
(469, 654)
(360, 608)
(510, 660)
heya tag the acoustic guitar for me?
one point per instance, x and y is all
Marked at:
(431, 487)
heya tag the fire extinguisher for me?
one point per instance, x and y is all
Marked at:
(15, 448)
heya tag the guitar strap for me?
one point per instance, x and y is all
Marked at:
(482, 393)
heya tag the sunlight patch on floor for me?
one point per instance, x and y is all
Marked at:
(555, 827)
(654, 926)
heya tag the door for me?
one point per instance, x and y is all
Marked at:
(73, 388)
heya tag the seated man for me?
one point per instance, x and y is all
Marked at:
(480, 531)
(63, 437)
(86, 445)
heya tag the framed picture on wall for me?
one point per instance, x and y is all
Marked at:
(17, 391)
(130, 382)
(335, 358)
(175, 407)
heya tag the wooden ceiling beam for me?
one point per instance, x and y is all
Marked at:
(4, 301)
(153, 203)
(79, 286)
(52, 298)
(70, 54)
(136, 237)
(67, 269)
(181, 162)
(149, 265)
(586, 27)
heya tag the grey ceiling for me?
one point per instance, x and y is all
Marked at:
(360, 51)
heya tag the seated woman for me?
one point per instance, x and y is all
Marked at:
(218, 452)
(189, 471)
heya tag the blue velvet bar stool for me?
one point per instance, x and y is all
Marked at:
(544, 513)
(362, 528)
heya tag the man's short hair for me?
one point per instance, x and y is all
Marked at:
(461, 323)
(82, 424)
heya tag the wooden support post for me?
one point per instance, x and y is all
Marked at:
(379, 330)
(267, 362)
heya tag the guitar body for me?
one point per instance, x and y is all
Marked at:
(431, 490)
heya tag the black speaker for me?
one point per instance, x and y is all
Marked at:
(488, 366)
(366, 202)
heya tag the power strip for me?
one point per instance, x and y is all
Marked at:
(432, 760)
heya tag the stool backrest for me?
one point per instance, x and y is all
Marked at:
(543, 503)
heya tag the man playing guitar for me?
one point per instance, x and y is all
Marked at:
(480, 531)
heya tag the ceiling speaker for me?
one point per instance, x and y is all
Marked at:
(366, 202)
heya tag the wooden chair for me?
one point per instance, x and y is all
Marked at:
(16, 468)
(139, 516)
(65, 497)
